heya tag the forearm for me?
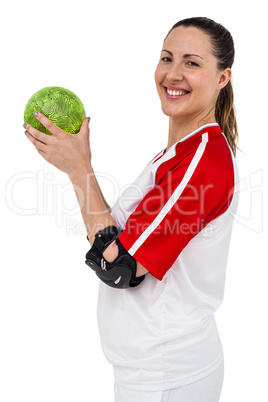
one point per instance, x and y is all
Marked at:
(94, 209)
(71, 154)
(101, 194)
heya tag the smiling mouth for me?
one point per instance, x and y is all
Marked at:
(176, 93)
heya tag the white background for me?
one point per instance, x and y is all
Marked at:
(106, 52)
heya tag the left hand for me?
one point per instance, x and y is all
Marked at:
(67, 152)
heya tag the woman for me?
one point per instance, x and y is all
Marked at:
(159, 332)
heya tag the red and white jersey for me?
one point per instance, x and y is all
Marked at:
(177, 220)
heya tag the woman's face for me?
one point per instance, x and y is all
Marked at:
(187, 77)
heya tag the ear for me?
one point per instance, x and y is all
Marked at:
(224, 78)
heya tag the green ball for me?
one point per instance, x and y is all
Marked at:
(59, 105)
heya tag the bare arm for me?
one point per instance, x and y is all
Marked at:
(71, 154)
(94, 209)
(96, 212)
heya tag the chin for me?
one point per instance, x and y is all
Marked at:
(173, 113)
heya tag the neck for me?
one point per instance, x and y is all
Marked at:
(179, 129)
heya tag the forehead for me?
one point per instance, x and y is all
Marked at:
(188, 40)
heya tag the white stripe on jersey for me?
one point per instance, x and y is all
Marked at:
(174, 197)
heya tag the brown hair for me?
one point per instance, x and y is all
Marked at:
(223, 49)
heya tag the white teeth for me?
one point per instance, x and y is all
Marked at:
(175, 93)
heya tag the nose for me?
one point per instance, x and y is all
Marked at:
(175, 73)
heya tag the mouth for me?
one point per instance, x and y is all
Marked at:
(175, 93)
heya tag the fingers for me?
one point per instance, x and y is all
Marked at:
(48, 124)
(36, 134)
(38, 138)
(46, 144)
(85, 125)
(35, 138)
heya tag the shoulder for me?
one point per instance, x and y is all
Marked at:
(215, 175)
(204, 167)
(206, 154)
(217, 160)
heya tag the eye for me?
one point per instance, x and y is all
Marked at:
(192, 64)
(166, 59)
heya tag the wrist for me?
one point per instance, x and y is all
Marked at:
(79, 172)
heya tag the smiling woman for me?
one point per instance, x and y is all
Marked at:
(161, 256)
(188, 80)
(200, 53)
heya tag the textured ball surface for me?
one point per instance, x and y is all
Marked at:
(59, 105)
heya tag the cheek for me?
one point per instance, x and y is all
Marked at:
(158, 75)
(210, 81)
(204, 85)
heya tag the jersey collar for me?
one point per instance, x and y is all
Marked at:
(200, 130)
(167, 154)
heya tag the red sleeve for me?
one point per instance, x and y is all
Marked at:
(189, 192)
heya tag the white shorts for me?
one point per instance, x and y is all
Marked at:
(206, 390)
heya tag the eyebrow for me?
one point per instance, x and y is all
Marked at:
(185, 56)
